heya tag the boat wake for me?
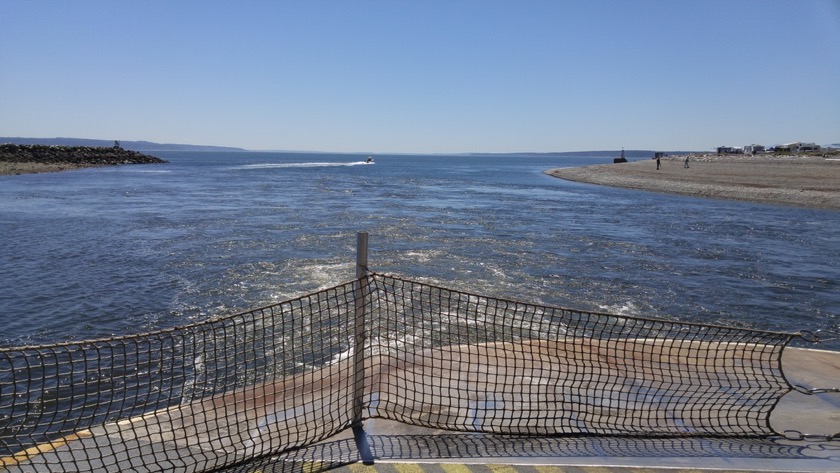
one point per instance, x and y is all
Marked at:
(302, 165)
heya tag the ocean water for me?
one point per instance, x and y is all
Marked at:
(120, 250)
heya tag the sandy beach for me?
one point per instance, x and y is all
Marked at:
(786, 180)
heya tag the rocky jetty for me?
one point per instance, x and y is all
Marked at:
(21, 159)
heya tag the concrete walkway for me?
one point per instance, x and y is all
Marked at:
(387, 446)
(395, 450)
(392, 447)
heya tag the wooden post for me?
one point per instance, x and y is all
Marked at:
(360, 296)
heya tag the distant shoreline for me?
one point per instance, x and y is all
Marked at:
(31, 159)
(812, 182)
(141, 146)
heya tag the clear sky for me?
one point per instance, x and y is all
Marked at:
(424, 76)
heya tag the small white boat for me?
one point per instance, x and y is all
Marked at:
(369, 160)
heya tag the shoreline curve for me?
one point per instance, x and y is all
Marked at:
(812, 182)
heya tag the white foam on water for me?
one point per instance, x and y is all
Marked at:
(627, 308)
(342, 355)
(321, 275)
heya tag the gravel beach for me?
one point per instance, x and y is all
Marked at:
(786, 180)
(7, 168)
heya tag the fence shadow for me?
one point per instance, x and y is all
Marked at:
(333, 454)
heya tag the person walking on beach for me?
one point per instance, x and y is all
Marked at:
(657, 163)
(686, 162)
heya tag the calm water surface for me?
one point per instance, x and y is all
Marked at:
(106, 251)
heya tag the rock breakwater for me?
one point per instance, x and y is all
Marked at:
(22, 159)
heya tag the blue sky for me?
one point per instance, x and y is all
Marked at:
(424, 76)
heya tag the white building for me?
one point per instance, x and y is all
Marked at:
(729, 150)
(797, 147)
(754, 149)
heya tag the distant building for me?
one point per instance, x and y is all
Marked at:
(754, 149)
(807, 147)
(797, 147)
(729, 150)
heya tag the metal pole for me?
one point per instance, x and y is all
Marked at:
(361, 254)
(360, 295)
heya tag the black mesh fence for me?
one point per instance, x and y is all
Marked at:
(452, 360)
(232, 389)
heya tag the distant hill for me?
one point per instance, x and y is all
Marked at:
(145, 146)
(131, 145)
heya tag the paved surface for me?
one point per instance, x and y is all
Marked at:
(392, 447)
(500, 468)
(495, 468)
(387, 446)
(394, 451)
(586, 455)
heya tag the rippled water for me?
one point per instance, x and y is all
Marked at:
(106, 251)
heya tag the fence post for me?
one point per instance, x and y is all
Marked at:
(360, 296)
